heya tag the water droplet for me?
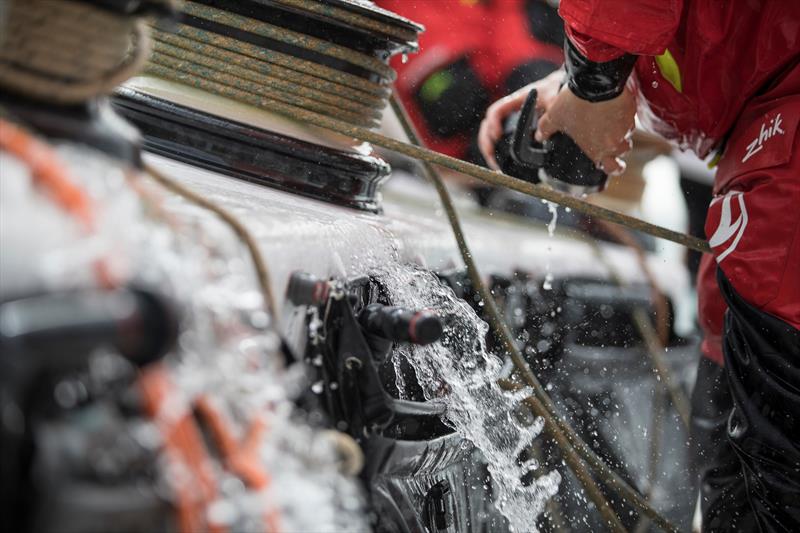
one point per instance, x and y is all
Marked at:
(654, 84)
(318, 387)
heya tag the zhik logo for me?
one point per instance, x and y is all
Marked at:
(767, 132)
(728, 229)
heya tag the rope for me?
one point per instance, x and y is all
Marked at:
(235, 224)
(240, 457)
(301, 40)
(541, 404)
(488, 176)
(51, 176)
(350, 18)
(211, 80)
(220, 58)
(190, 38)
(184, 451)
(256, 75)
(67, 52)
(197, 75)
(655, 349)
(253, 80)
(654, 338)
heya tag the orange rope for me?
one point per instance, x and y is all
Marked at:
(241, 458)
(184, 450)
(50, 174)
(47, 172)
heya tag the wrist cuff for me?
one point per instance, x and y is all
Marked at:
(596, 82)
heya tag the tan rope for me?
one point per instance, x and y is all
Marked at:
(491, 177)
(68, 52)
(354, 19)
(498, 325)
(189, 37)
(654, 338)
(256, 82)
(202, 77)
(234, 69)
(241, 231)
(308, 42)
(233, 93)
(423, 154)
(175, 45)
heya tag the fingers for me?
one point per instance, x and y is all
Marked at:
(487, 138)
(492, 125)
(624, 146)
(545, 128)
(612, 165)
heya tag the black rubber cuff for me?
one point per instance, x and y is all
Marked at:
(596, 82)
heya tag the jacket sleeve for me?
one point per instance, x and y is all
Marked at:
(603, 30)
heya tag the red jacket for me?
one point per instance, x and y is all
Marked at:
(732, 74)
(724, 52)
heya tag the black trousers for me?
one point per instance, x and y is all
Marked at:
(746, 424)
(723, 499)
(762, 360)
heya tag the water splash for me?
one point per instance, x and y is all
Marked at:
(551, 231)
(459, 371)
(551, 226)
(547, 284)
(227, 351)
(226, 355)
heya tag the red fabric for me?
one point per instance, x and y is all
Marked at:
(591, 48)
(739, 77)
(753, 223)
(508, 43)
(604, 29)
(726, 51)
(711, 309)
(493, 35)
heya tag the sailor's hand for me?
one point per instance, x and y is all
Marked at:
(602, 129)
(492, 125)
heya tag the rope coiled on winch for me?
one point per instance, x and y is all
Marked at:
(255, 75)
(350, 18)
(67, 52)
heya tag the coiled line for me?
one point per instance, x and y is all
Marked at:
(202, 53)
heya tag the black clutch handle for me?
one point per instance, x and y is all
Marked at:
(558, 162)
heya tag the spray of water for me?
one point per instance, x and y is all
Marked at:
(551, 231)
(227, 351)
(230, 352)
(459, 371)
